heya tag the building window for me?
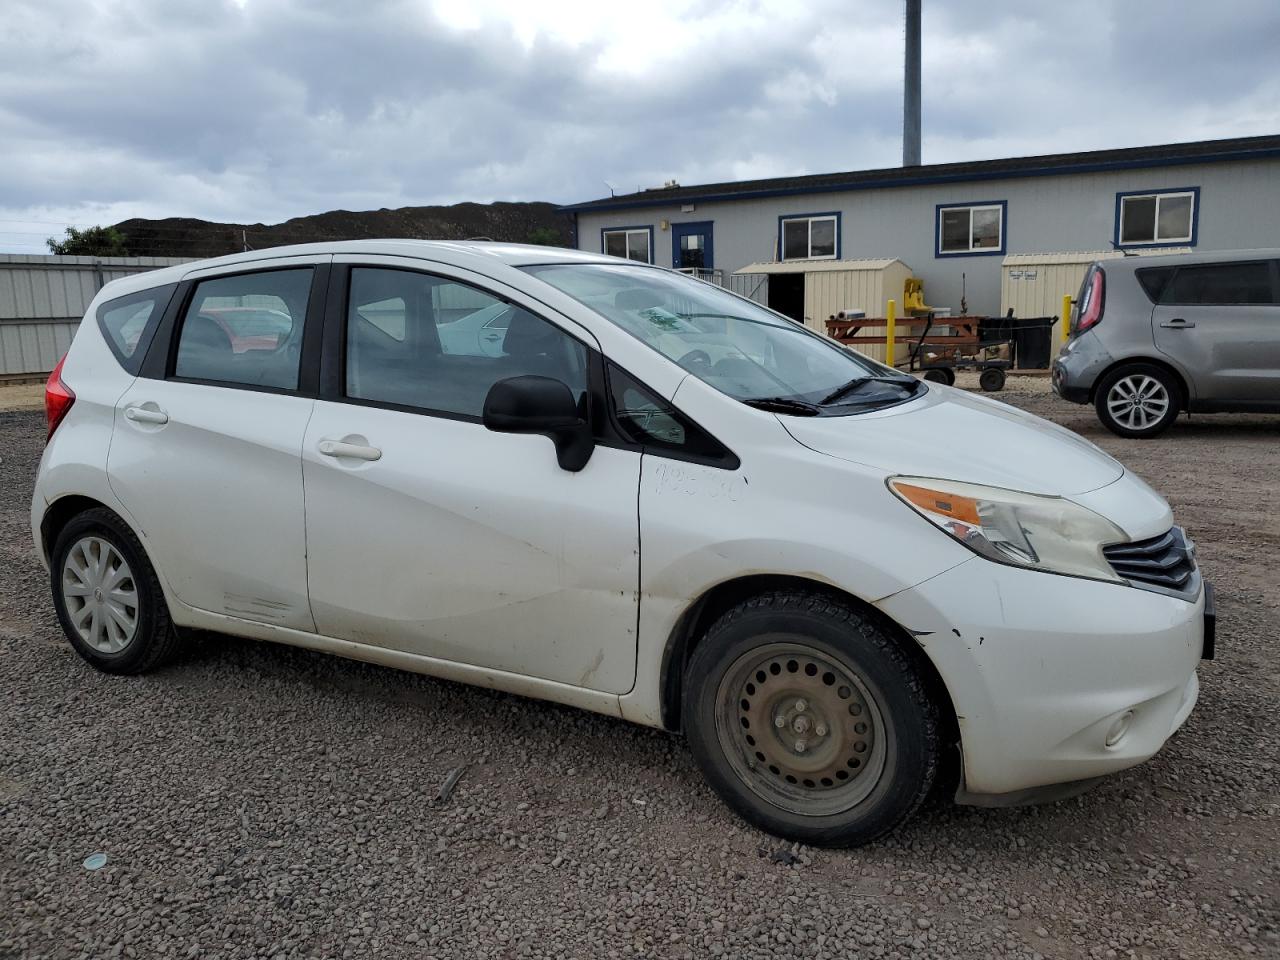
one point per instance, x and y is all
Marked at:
(971, 228)
(813, 236)
(630, 243)
(1166, 217)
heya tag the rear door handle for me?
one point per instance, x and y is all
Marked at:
(145, 415)
(1177, 323)
(354, 451)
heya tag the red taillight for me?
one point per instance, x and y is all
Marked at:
(58, 398)
(1091, 304)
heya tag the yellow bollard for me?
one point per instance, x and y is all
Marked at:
(1066, 316)
(889, 346)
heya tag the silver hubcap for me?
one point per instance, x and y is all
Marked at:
(801, 729)
(100, 595)
(1138, 402)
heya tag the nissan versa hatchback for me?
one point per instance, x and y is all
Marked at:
(1154, 336)
(650, 498)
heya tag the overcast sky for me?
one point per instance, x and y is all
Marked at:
(260, 110)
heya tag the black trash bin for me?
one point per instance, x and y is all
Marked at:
(1032, 342)
(994, 329)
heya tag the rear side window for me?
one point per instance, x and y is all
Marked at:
(246, 329)
(129, 323)
(1222, 284)
(1154, 280)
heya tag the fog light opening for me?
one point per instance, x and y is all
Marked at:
(1119, 728)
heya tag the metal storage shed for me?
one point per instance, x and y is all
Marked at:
(834, 285)
(43, 298)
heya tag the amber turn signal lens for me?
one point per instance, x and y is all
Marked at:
(964, 509)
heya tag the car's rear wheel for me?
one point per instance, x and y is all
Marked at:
(810, 720)
(107, 597)
(1139, 400)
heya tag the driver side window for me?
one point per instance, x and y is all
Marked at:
(245, 329)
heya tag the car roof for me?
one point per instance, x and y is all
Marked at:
(475, 254)
(1190, 258)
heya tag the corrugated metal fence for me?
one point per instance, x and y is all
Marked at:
(42, 299)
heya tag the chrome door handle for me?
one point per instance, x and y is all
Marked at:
(145, 415)
(1177, 323)
(356, 451)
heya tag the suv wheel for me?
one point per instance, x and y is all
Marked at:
(1140, 400)
(107, 597)
(810, 721)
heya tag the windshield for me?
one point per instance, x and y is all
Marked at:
(733, 344)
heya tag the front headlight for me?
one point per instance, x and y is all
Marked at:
(1020, 529)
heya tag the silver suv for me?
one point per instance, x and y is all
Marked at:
(1152, 336)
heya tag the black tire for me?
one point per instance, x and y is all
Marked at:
(951, 375)
(936, 375)
(905, 731)
(1113, 400)
(153, 640)
(991, 380)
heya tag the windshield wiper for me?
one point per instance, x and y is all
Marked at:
(802, 408)
(911, 383)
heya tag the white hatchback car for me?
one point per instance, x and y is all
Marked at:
(656, 500)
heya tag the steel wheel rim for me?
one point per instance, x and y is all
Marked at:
(100, 595)
(760, 727)
(1138, 401)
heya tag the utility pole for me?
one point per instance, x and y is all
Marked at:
(911, 88)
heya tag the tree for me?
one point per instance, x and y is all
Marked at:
(90, 242)
(545, 236)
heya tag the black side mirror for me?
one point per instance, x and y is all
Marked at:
(545, 406)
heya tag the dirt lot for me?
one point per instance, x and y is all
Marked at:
(257, 801)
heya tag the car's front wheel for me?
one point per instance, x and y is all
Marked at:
(810, 720)
(107, 597)
(1139, 401)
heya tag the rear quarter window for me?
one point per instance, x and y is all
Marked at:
(129, 323)
(1153, 280)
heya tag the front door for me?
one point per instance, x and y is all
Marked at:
(206, 456)
(428, 533)
(692, 246)
(1220, 322)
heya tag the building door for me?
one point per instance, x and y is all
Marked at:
(691, 246)
(786, 295)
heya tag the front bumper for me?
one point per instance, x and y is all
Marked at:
(1054, 679)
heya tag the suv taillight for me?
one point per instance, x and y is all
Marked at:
(1091, 301)
(58, 398)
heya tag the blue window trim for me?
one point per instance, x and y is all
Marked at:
(707, 227)
(1159, 191)
(811, 216)
(937, 229)
(638, 226)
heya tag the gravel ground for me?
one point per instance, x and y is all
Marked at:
(258, 801)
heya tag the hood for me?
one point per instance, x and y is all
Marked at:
(953, 435)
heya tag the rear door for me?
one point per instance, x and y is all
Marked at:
(206, 450)
(1220, 323)
(430, 534)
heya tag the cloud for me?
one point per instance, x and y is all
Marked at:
(258, 110)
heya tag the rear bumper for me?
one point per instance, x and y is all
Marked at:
(1055, 679)
(1078, 366)
(1063, 388)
